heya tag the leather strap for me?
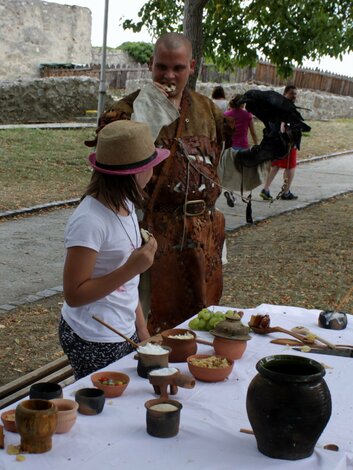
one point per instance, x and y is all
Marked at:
(163, 175)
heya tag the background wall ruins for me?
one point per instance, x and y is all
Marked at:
(322, 105)
(34, 32)
(48, 100)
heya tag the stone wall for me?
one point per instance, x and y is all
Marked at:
(48, 100)
(34, 32)
(114, 57)
(322, 105)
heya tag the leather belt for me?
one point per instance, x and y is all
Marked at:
(189, 209)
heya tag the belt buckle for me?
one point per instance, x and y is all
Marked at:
(190, 203)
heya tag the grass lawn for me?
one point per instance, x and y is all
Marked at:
(40, 166)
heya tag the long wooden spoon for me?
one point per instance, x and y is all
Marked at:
(278, 329)
(99, 320)
(305, 331)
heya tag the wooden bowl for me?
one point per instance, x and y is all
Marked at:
(209, 374)
(8, 419)
(67, 414)
(181, 348)
(111, 390)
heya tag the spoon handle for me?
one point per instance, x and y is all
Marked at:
(203, 341)
(99, 320)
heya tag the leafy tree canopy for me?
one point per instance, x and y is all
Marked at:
(240, 32)
(140, 51)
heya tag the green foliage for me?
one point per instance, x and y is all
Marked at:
(140, 51)
(240, 32)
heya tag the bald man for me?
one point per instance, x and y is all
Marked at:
(187, 273)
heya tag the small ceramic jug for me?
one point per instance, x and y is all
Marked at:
(36, 423)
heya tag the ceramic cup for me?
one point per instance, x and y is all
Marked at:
(36, 423)
(67, 414)
(45, 391)
(90, 401)
(163, 417)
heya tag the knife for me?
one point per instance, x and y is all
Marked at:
(345, 352)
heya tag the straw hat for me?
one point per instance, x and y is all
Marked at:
(126, 148)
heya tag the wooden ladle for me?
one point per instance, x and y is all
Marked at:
(99, 320)
(278, 329)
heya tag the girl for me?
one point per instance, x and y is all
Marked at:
(104, 254)
(241, 121)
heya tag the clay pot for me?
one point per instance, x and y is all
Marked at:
(207, 374)
(148, 362)
(90, 401)
(163, 417)
(45, 391)
(288, 405)
(231, 348)
(8, 420)
(67, 414)
(181, 348)
(113, 390)
(36, 423)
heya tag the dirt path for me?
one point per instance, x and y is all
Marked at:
(303, 258)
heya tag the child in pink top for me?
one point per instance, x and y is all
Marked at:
(241, 121)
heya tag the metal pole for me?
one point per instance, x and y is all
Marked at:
(101, 97)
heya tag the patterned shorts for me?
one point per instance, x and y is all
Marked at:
(86, 357)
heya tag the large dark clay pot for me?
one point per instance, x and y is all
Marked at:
(288, 405)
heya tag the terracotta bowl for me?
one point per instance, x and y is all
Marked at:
(207, 374)
(181, 348)
(8, 419)
(230, 348)
(67, 414)
(113, 390)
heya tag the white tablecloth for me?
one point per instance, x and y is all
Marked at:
(211, 417)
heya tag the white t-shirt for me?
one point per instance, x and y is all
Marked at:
(222, 104)
(94, 226)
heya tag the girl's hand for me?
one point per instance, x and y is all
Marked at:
(142, 258)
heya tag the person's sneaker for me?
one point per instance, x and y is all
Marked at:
(288, 196)
(265, 195)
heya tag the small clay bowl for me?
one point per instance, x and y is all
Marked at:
(67, 414)
(90, 401)
(163, 417)
(208, 374)
(114, 389)
(45, 391)
(8, 418)
(181, 348)
(230, 348)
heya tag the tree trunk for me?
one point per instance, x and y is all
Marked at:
(193, 29)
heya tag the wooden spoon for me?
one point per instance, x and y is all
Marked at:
(99, 320)
(203, 341)
(305, 331)
(278, 329)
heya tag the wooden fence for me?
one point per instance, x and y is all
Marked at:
(266, 73)
(263, 73)
(116, 76)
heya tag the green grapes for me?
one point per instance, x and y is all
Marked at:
(206, 320)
